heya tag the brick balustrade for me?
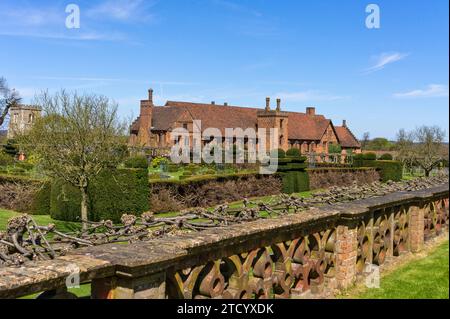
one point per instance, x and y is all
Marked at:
(290, 256)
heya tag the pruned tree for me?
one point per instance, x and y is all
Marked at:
(8, 98)
(405, 148)
(76, 137)
(423, 147)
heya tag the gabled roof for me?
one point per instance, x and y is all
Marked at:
(346, 137)
(218, 116)
(306, 127)
(301, 126)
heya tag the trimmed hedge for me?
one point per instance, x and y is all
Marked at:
(136, 162)
(386, 157)
(113, 193)
(293, 152)
(281, 153)
(389, 170)
(295, 182)
(369, 156)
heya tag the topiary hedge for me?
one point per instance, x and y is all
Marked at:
(113, 193)
(386, 157)
(293, 152)
(389, 170)
(295, 182)
(139, 161)
(369, 156)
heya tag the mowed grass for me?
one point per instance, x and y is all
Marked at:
(41, 220)
(425, 278)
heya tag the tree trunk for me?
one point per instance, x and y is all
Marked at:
(427, 173)
(84, 207)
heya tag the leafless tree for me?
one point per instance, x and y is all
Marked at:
(8, 98)
(365, 140)
(75, 139)
(423, 147)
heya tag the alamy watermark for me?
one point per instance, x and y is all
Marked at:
(73, 19)
(372, 273)
(373, 19)
(237, 146)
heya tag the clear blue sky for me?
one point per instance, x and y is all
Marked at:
(309, 53)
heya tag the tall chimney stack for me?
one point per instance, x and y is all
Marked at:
(267, 103)
(278, 105)
(344, 123)
(150, 95)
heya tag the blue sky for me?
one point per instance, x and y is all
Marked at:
(308, 53)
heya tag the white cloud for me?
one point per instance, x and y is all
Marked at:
(123, 10)
(382, 60)
(310, 95)
(432, 90)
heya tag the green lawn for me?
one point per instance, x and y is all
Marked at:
(42, 220)
(426, 278)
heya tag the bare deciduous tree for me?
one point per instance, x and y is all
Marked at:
(76, 138)
(8, 99)
(423, 147)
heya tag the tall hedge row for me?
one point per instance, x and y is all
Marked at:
(112, 194)
(389, 170)
(293, 172)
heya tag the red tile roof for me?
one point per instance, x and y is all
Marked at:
(346, 137)
(300, 125)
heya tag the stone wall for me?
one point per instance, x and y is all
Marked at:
(327, 177)
(208, 192)
(297, 255)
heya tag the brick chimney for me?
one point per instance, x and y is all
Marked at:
(146, 110)
(267, 103)
(278, 105)
(310, 110)
(146, 119)
(150, 95)
(344, 123)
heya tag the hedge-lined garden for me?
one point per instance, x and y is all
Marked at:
(134, 188)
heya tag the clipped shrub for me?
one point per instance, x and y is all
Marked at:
(139, 161)
(369, 156)
(111, 194)
(293, 152)
(172, 168)
(390, 170)
(295, 182)
(281, 153)
(386, 157)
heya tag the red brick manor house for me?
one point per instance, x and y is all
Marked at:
(309, 132)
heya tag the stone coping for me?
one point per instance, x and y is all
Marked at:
(186, 250)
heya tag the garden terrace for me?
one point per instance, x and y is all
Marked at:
(295, 254)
